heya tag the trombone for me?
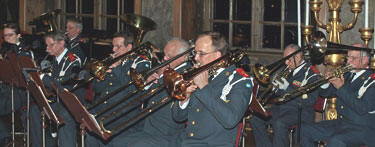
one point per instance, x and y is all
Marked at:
(311, 86)
(137, 79)
(175, 84)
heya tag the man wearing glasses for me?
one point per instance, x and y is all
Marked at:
(286, 115)
(355, 107)
(214, 104)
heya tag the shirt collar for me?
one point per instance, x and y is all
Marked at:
(60, 57)
(357, 74)
(218, 72)
(299, 68)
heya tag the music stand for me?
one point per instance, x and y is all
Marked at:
(80, 114)
(16, 75)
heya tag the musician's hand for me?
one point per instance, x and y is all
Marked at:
(337, 82)
(201, 80)
(189, 90)
(113, 66)
(281, 85)
(153, 78)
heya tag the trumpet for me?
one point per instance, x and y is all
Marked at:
(175, 84)
(311, 86)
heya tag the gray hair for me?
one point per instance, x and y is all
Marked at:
(77, 22)
(219, 42)
(182, 44)
(56, 36)
(294, 47)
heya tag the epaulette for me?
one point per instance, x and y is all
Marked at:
(372, 76)
(71, 57)
(242, 72)
(314, 69)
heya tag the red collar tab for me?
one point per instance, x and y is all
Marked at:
(372, 76)
(314, 69)
(242, 72)
(143, 57)
(71, 57)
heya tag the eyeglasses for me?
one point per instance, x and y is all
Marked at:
(9, 35)
(201, 54)
(352, 57)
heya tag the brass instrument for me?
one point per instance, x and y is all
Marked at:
(139, 80)
(46, 22)
(172, 81)
(98, 69)
(283, 74)
(141, 23)
(177, 84)
(263, 73)
(311, 86)
(322, 48)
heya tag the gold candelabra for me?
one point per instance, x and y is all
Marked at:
(334, 27)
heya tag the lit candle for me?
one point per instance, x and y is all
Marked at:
(366, 14)
(307, 13)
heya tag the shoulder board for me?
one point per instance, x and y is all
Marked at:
(242, 72)
(314, 69)
(81, 40)
(372, 76)
(71, 57)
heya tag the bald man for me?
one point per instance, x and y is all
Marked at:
(286, 115)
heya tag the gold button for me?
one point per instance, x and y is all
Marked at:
(105, 102)
(191, 134)
(341, 116)
(197, 109)
(110, 84)
(107, 92)
(152, 102)
(342, 107)
(111, 75)
(193, 122)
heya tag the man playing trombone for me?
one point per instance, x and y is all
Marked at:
(355, 107)
(216, 103)
(286, 115)
(159, 127)
(117, 75)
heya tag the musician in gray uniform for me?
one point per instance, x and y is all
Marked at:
(286, 115)
(355, 107)
(214, 104)
(13, 44)
(117, 76)
(159, 127)
(73, 32)
(62, 71)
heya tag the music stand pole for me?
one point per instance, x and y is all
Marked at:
(43, 129)
(83, 133)
(28, 119)
(13, 111)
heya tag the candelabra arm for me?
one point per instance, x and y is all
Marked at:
(318, 22)
(351, 23)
